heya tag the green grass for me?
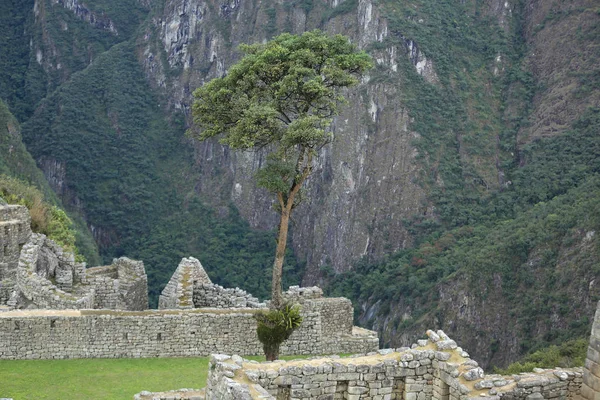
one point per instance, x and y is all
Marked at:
(99, 379)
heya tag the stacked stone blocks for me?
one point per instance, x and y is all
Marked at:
(190, 287)
(14, 233)
(591, 380)
(431, 370)
(57, 334)
(36, 273)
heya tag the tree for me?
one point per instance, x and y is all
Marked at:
(280, 98)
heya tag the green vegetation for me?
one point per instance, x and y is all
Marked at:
(566, 355)
(520, 237)
(128, 165)
(45, 218)
(99, 378)
(102, 379)
(21, 182)
(275, 326)
(280, 98)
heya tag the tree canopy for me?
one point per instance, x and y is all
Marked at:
(281, 97)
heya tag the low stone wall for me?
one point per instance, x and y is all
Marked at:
(46, 334)
(216, 296)
(435, 369)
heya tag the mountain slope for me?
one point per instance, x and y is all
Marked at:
(459, 169)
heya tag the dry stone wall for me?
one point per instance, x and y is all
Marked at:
(211, 295)
(591, 380)
(190, 287)
(14, 233)
(434, 369)
(123, 285)
(35, 290)
(179, 292)
(47, 334)
(36, 273)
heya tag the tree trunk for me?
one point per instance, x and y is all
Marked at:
(276, 295)
(271, 351)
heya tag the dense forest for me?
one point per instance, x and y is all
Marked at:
(488, 232)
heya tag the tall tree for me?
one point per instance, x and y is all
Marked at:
(280, 98)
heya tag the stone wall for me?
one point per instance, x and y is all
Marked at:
(591, 379)
(35, 272)
(35, 290)
(211, 295)
(123, 285)
(434, 369)
(190, 287)
(14, 232)
(179, 291)
(47, 334)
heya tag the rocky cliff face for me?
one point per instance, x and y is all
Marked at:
(462, 93)
(364, 183)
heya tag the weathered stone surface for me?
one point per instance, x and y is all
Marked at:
(384, 375)
(37, 273)
(473, 374)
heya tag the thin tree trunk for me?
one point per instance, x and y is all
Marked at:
(286, 209)
(276, 295)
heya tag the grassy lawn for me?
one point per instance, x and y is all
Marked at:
(97, 379)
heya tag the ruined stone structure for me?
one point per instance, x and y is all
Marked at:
(35, 273)
(433, 369)
(14, 233)
(196, 318)
(123, 285)
(190, 287)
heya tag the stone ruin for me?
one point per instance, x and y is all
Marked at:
(54, 307)
(431, 369)
(35, 273)
(190, 287)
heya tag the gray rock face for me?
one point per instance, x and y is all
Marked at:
(364, 183)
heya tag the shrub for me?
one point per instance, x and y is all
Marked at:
(45, 218)
(275, 326)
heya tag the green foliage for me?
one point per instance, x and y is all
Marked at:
(566, 355)
(16, 165)
(14, 54)
(280, 97)
(281, 94)
(62, 38)
(45, 218)
(523, 232)
(275, 326)
(131, 170)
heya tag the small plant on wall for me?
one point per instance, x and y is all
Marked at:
(275, 326)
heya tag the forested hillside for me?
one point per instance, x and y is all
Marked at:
(460, 192)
